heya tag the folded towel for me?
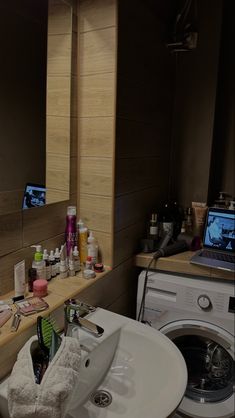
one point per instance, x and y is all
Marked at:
(27, 399)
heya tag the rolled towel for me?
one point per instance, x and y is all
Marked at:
(27, 399)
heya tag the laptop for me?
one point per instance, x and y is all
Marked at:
(218, 250)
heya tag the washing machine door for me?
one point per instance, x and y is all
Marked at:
(208, 351)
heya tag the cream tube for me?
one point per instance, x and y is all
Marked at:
(199, 216)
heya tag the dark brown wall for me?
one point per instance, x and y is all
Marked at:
(145, 76)
(194, 111)
(222, 162)
(23, 33)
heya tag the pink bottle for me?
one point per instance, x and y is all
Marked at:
(71, 229)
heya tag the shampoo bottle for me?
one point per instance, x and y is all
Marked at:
(82, 241)
(71, 229)
(38, 262)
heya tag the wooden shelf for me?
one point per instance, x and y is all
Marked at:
(180, 263)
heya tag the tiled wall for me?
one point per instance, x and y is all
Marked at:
(144, 111)
(96, 111)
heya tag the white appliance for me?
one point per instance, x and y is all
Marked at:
(198, 316)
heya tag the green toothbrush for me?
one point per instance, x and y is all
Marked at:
(48, 337)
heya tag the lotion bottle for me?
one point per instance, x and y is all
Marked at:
(92, 248)
(38, 262)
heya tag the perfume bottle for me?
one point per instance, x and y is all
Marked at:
(71, 229)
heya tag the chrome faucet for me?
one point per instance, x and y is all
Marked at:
(74, 312)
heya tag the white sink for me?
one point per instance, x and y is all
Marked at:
(140, 368)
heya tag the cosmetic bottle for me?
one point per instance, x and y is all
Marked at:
(38, 262)
(82, 241)
(32, 276)
(47, 265)
(63, 263)
(19, 278)
(71, 229)
(92, 248)
(71, 264)
(52, 263)
(76, 257)
(89, 264)
(57, 260)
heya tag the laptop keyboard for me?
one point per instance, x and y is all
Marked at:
(229, 258)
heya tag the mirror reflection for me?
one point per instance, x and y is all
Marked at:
(35, 77)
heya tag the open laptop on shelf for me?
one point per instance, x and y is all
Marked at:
(218, 249)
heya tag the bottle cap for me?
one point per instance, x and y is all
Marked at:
(71, 210)
(45, 254)
(51, 256)
(57, 253)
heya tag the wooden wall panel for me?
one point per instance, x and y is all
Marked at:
(95, 96)
(96, 111)
(96, 134)
(97, 14)
(96, 211)
(96, 50)
(96, 175)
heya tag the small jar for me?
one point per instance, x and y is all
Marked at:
(32, 276)
(40, 288)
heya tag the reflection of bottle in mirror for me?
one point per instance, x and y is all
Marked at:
(71, 229)
(153, 227)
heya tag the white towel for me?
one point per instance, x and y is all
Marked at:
(27, 399)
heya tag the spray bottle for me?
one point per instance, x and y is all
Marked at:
(82, 241)
(71, 229)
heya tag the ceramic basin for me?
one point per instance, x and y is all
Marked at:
(140, 368)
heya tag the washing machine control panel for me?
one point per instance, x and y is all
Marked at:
(204, 302)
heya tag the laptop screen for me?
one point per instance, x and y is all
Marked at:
(34, 195)
(220, 230)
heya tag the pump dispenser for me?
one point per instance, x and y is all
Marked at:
(38, 262)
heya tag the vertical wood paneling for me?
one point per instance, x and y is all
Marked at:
(96, 111)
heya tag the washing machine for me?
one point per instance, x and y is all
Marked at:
(198, 316)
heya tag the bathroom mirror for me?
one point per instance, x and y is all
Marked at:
(35, 86)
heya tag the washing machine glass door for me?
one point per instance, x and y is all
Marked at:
(209, 355)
